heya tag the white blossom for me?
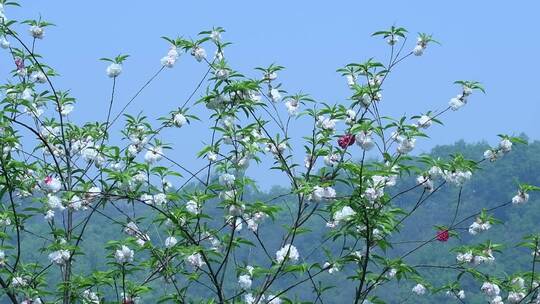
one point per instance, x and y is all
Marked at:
(490, 289)
(275, 95)
(199, 53)
(406, 145)
(515, 297)
(49, 215)
(124, 255)
(497, 300)
(288, 251)
(274, 300)
(215, 36)
(59, 257)
(114, 69)
(418, 50)
(419, 289)
(520, 198)
(153, 155)
(505, 145)
(179, 120)
(195, 260)
(426, 182)
(456, 103)
(4, 43)
(172, 56)
(364, 140)
(227, 180)
(467, 257)
(19, 282)
(478, 226)
(170, 242)
(331, 160)
(244, 281)
(90, 297)
(344, 214)
(322, 193)
(192, 207)
(38, 76)
(54, 202)
(350, 80)
(36, 31)
(424, 122)
(326, 123)
(292, 106)
(222, 74)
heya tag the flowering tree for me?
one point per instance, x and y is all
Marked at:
(197, 232)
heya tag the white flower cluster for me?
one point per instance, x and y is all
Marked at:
(478, 226)
(153, 155)
(114, 70)
(245, 280)
(90, 297)
(504, 147)
(254, 220)
(195, 260)
(288, 252)
(419, 289)
(426, 182)
(170, 242)
(469, 257)
(320, 194)
(60, 257)
(453, 177)
(124, 255)
(37, 31)
(492, 291)
(364, 140)
(170, 59)
(424, 122)
(292, 106)
(38, 77)
(405, 144)
(520, 198)
(155, 199)
(326, 123)
(456, 294)
(461, 99)
(331, 160)
(199, 53)
(343, 214)
(227, 180)
(332, 267)
(18, 281)
(193, 207)
(377, 184)
(421, 45)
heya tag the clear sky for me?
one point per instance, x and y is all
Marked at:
(493, 42)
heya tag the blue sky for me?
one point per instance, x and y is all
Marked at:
(494, 43)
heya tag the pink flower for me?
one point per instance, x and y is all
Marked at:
(48, 180)
(346, 140)
(443, 236)
(19, 63)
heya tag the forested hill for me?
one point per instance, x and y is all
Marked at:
(494, 184)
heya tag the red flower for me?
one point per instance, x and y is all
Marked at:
(443, 236)
(346, 140)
